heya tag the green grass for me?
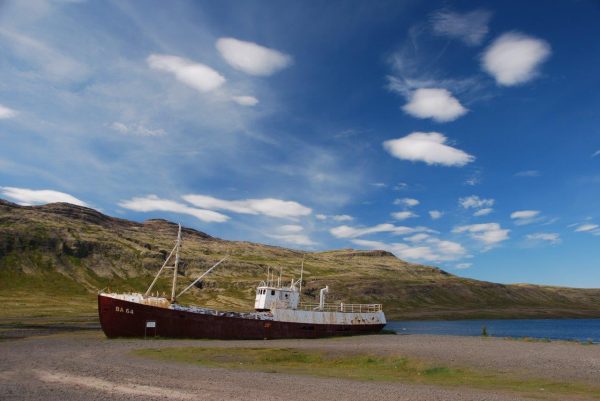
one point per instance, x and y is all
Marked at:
(366, 367)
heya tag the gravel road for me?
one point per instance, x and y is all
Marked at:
(87, 366)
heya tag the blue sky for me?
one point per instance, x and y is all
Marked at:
(461, 137)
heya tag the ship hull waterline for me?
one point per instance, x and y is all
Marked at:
(120, 318)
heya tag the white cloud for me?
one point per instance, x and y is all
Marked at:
(408, 202)
(379, 184)
(434, 251)
(27, 197)
(152, 203)
(345, 231)
(267, 206)
(523, 217)
(528, 173)
(245, 100)
(404, 215)
(586, 228)
(488, 233)
(251, 58)
(417, 237)
(483, 212)
(596, 153)
(296, 239)
(475, 202)
(514, 58)
(291, 228)
(342, 217)
(553, 238)
(428, 147)
(136, 129)
(336, 217)
(470, 27)
(195, 75)
(290, 233)
(6, 112)
(437, 104)
(463, 265)
(435, 214)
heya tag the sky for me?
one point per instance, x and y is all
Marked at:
(456, 134)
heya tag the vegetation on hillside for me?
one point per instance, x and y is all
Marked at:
(54, 259)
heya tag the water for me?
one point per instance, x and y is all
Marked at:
(554, 329)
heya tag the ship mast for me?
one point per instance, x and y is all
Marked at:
(164, 266)
(175, 268)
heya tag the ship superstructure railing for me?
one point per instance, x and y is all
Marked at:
(345, 308)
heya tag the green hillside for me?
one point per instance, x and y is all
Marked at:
(54, 259)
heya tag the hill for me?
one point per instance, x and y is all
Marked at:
(54, 258)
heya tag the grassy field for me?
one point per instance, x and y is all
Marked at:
(368, 368)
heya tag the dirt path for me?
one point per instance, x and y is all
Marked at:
(85, 365)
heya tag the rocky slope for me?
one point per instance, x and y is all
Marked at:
(54, 258)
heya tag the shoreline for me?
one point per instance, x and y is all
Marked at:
(35, 326)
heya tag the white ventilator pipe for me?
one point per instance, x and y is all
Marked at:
(322, 297)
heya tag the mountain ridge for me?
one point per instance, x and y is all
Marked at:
(54, 257)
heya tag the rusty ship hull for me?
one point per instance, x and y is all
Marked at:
(121, 318)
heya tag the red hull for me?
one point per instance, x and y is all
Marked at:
(120, 318)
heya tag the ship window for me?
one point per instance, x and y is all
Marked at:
(272, 292)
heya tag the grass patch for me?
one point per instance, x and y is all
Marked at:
(364, 367)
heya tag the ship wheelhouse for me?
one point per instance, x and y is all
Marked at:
(270, 297)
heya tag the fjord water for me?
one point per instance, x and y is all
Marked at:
(554, 329)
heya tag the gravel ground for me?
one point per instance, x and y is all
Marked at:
(87, 366)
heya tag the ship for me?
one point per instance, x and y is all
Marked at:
(278, 312)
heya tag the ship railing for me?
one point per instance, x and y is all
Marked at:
(346, 308)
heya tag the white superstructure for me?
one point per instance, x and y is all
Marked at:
(284, 304)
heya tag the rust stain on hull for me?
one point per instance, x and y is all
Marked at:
(120, 318)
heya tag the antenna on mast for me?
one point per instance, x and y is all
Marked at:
(279, 279)
(301, 273)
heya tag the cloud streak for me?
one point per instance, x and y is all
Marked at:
(153, 203)
(432, 250)
(28, 197)
(552, 238)
(195, 75)
(345, 231)
(404, 215)
(523, 217)
(266, 206)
